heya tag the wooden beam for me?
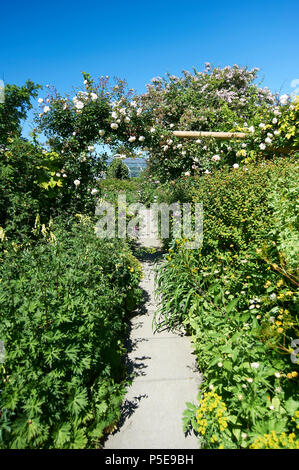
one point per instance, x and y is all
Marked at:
(215, 135)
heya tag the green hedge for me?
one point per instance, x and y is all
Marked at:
(63, 303)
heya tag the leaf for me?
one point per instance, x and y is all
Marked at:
(229, 307)
(276, 403)
(237, 433)
(79, 440)
(291, 406)
(62, 436)
(235, 354)
(227, 365)
(78, 403)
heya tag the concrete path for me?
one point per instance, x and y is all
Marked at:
(165, 379)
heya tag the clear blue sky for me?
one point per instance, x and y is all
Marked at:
(52, 42)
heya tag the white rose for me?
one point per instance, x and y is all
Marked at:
(114, 125)
(76, 182)
(93, 96)
(79, 104)
(283, 99)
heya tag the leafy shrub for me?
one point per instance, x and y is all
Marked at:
(35, 181)
(17, 102)
(63, 306)
(238, 297)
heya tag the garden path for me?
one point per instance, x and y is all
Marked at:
(164, 369)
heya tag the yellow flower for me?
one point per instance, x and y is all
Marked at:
(279, 330)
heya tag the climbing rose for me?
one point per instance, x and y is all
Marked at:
(283, 99)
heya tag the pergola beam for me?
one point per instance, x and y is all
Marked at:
(215, 135)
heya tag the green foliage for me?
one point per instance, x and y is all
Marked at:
(283, 201)
(238, 298)
(63, 304)
(17, 102)
(36, 181)
(118, 170)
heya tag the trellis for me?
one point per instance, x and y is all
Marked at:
(215, 135)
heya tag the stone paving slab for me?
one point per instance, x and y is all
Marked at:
(156, 422)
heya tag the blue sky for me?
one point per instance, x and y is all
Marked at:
(52, 42)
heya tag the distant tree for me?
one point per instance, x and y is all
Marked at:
(17, 102)
(118, 169)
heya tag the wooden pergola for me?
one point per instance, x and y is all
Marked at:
(215, 135)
